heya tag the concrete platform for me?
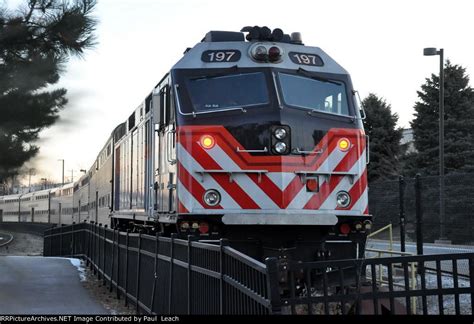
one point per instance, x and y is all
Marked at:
(38, 285)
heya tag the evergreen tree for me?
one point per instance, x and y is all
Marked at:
(35, 43)
(458, 126)
(380, 125)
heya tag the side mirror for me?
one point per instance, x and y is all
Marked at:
(360, 104)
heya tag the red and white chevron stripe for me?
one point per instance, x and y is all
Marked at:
(279, 187)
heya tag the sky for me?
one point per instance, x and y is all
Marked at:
(380, 43)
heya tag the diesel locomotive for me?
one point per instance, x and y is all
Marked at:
(252, 136)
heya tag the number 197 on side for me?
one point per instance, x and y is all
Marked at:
(218, 56)
(306, 59)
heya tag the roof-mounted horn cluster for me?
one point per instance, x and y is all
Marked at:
(264, 33)
(254, 34)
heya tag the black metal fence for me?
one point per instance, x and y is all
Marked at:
(396, 285)
(161, 275)
(384, 204)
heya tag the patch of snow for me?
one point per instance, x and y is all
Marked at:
(78, 264)
(431, 284)
(448, 300)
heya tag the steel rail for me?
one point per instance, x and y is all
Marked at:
(8, 241)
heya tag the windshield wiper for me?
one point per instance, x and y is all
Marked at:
(316, 112)
(308, 74)
(217, 75)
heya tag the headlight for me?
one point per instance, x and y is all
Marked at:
(280, 147)
(212, 197)
(343, 199)
(344, 144)
(280, 133)
(207, 141)
(260, 53)
(367, 225)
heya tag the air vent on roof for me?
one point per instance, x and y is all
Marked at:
(223, 36)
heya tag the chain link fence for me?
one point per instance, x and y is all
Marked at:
(385, 206)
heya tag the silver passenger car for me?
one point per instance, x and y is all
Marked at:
(34, 207)
(61, 204)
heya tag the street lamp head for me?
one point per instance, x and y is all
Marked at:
(429, 51)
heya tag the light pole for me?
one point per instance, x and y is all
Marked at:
(63, 170)
(72, 175)
(44, 182)
(30, 172)
(442, 216)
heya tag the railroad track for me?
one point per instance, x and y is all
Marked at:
(5, 239)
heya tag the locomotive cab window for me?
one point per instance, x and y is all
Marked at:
(327, 96)
(227, 92)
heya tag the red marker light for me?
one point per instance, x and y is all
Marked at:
(207, 141)
(274, 53)
(203, 228)
(345, 228)
(312, 185)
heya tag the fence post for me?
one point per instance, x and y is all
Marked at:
(191, 238)
(126, 267)
(419, 221)
(273, 286)
(113, 260)
(45, 241)
(189, 275)
(51, 243)
(98, 250)
(155, 274)
(73, 241)
(137, 289)
(117, 290)
(104, 257)
(471, 282)
(170, 290)
(223, 244)
(87, 241)
(92, 238)
(402, 185)
(61, 240)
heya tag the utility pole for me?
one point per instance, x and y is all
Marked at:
(30, 172)
(63, 170)
(72, 175)
(44, 183)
